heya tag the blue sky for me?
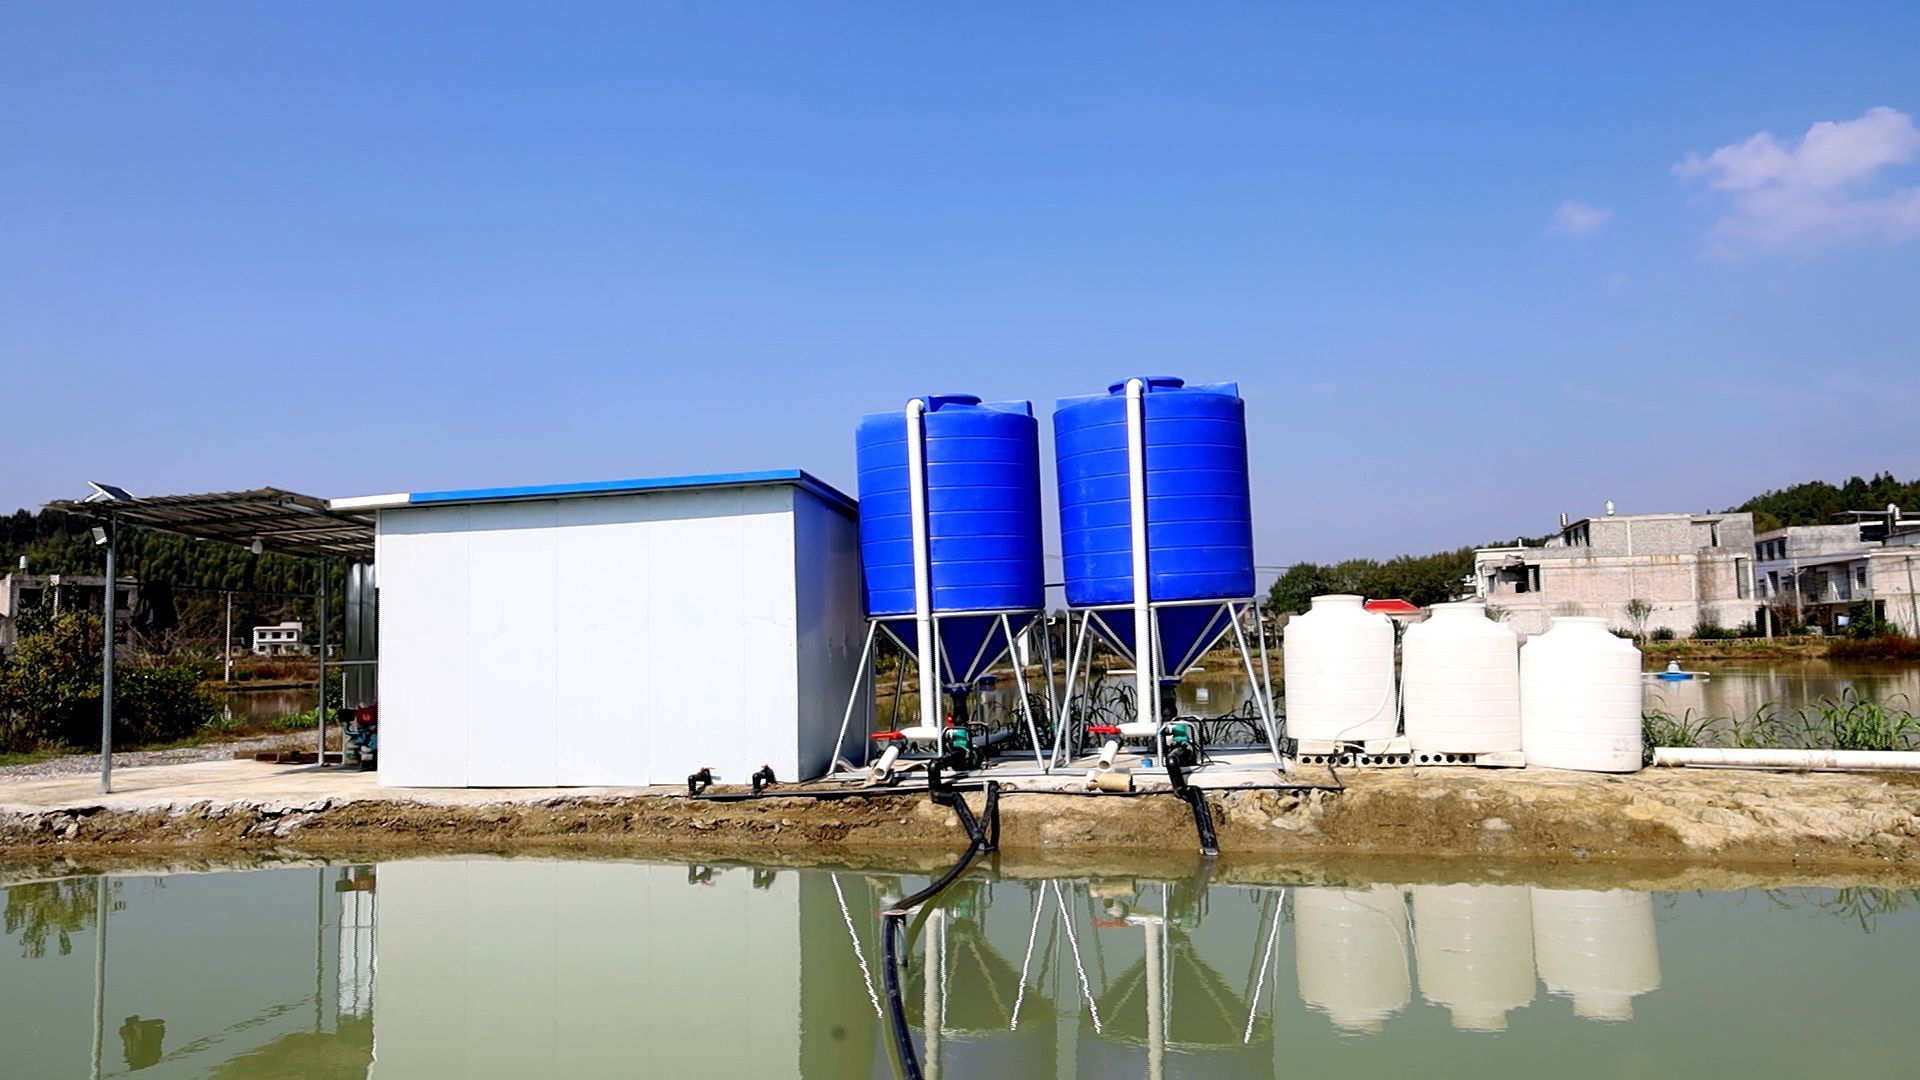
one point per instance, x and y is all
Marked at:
(1471, 267)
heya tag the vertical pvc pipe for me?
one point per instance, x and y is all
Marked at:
(1143, 688)
(1156, 1002)
(922, 570)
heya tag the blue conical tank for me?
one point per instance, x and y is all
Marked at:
(983, 524)
(1199, 509)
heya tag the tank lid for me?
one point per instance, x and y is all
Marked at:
(936, 402)
(1339, 600)
(1461, 607)
(1578, 620)
(1154, 382)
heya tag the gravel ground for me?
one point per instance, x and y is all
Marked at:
(81, 764)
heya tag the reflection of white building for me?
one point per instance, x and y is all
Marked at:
(1597, 948)
(1475, 950)
(518, 968)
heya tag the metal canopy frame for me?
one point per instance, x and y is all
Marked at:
(267, 519)
(284, 522)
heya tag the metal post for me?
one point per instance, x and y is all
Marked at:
(106, 662)
(1046, 659)
(853, 697)
(1020, 687)
(1266, 673)
(1913, 603)
(1266, 710)
(1066, 696)
(320, 714)
(226, 642)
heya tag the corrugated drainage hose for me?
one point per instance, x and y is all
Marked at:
(982, 837)
(1179, 758)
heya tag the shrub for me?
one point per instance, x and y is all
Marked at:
(50, 693)
(1664, 633)
(161, 703)
(1891, 647)
(1709, 629)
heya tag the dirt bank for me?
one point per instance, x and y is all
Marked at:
(1652, 825)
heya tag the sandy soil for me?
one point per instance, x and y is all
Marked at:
(1668, 825)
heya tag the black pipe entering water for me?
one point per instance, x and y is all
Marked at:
(982, 837)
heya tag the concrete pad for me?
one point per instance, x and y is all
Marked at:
(157, 786)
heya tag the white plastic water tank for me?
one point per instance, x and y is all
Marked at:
(1475, 949)
(1580, 691)
(1460, 675)
(1339, 673)
(1350, 953)
(1597, 948)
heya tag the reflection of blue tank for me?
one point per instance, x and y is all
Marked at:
(1199, 509)
(983, 524)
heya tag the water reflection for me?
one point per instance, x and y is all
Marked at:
(495, 967)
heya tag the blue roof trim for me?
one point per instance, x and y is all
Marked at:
(795, 477)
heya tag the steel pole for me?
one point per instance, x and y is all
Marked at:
(226, 642)
(1913, 603)
(106, 662)
(320, 713)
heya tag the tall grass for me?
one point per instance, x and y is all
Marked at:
(1847, 722)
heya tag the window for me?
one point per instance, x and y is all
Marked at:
(1742, 579)
(1860, 576)
(1713, 534)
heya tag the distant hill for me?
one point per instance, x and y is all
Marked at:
(1818, 502)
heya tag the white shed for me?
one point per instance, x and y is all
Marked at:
(619, 633)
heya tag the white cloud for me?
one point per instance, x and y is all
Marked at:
(1576, 218)
(1823, 188)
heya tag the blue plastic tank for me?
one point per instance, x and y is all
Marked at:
(983, 525)
(1199, 505)
(983, 508)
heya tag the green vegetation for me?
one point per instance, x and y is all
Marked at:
(1818, 502)
(1848, 722)
(1418, 579)
(50, 693)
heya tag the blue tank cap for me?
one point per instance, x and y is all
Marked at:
(936, 402)
(1154, 382)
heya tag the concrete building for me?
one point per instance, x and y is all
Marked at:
(1813, 572)
(1687, 569)
(623, 633)
(280, 639)
(59, 594)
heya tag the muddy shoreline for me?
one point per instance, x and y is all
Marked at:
(1657, 829)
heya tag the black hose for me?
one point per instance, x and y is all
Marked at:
(896, 1008)
(979, 839)
(1202, 819)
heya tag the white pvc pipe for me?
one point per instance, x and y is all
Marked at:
(1143, 688)
(922, 570)
(1839, 760)
(1156, 1003)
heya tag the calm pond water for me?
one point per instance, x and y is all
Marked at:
(1732, 689)
(518, 968)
